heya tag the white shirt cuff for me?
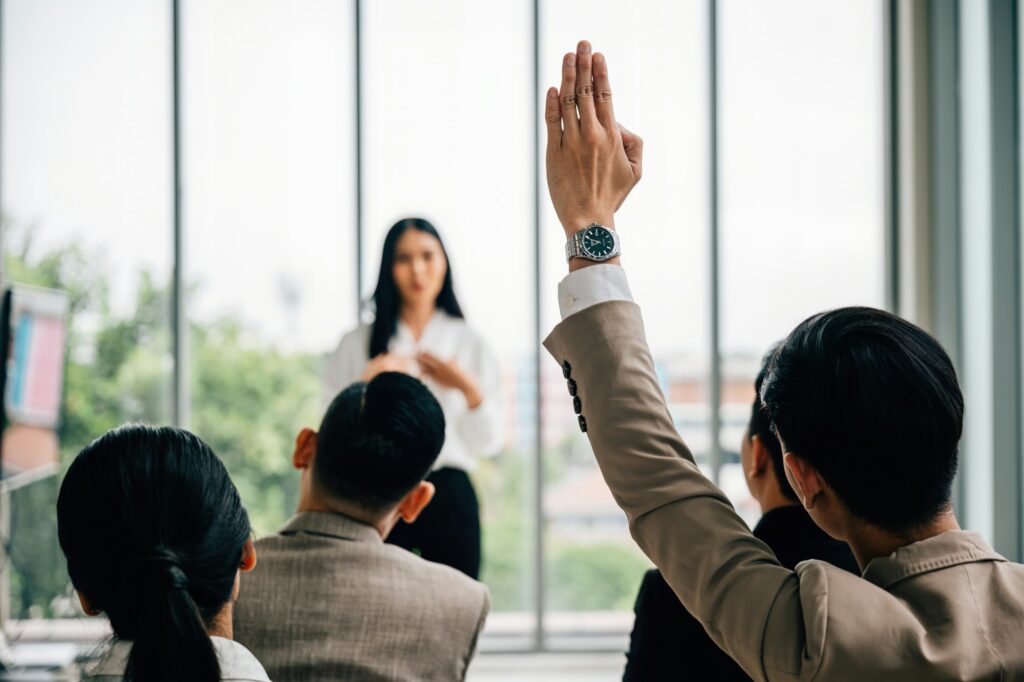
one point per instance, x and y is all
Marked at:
(590, 286)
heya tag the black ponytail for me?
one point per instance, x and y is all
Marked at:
(153, 531)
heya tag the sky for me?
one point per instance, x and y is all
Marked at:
(268, 144)
(268, 167)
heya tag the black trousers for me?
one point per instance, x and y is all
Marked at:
(448, 530)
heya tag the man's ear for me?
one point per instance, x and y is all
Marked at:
(803, 478)
(760, 460)
(87, 605)
(416, 501)
(305, 449)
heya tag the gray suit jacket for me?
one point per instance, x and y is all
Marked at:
(329, 600)
(946, 608)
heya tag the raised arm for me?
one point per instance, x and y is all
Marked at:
(750, 605)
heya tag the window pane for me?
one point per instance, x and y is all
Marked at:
(592, 563)
(268, 213)
(87, 208)
(802, 204)
(449, 136)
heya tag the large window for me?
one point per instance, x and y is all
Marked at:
(87, 200)
(448, 107)
(591, 562)
(277, 220)
(269, 228)
(802, 209)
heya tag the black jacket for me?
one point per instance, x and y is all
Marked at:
(667, 643)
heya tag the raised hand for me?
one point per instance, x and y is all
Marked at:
(593, 163)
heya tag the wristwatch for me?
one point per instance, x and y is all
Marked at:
(594, 242)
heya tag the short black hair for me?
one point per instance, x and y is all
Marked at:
(873, 403)
(761, 426)
(378, 440)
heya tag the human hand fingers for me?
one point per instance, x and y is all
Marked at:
(553, 119)
(603, 92)
(585, 87)
(567, 97)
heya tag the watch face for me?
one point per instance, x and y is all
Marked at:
(598, 242)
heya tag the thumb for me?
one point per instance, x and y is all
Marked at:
(633, 146)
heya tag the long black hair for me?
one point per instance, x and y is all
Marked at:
(153, 531)
(386, 297)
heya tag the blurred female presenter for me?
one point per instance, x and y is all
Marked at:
(419, 329)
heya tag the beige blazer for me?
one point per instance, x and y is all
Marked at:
(329, 600)
(947, 608)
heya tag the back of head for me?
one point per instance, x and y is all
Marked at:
(761, 426)
(378, 440)
(873, 403)
(153, 531)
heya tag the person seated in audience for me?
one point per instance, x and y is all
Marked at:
(332, 600)
(155, 536)
(868, 412)
(668, 643)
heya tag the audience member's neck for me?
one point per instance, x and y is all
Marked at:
(416, 316)
(320, 503)
(771, 498)
(869, 542)
(222, 625)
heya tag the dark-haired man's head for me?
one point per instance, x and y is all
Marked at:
(761, 455)
(376, 444)
(869, 412)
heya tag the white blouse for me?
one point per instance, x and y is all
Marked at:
(237, 663)
(469, 434)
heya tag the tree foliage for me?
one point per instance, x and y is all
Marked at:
(248, 401)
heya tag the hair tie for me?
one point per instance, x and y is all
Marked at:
(163, 571)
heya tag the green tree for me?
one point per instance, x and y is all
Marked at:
(600, 576)
(249, 403)
(249, 400)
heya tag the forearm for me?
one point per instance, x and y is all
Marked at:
(474, 398)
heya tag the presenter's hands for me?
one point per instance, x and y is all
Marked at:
(450, 375)
(592, 162)
(385, 362)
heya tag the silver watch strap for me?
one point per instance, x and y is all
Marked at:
(574, 245)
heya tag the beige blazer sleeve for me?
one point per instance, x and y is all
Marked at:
(484, 611)
(728, 579)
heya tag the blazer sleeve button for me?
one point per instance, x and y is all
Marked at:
(566, 369)
(577, 405)
(572, 387)
(583, 424)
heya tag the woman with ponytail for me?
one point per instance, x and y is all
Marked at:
(155, 535)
